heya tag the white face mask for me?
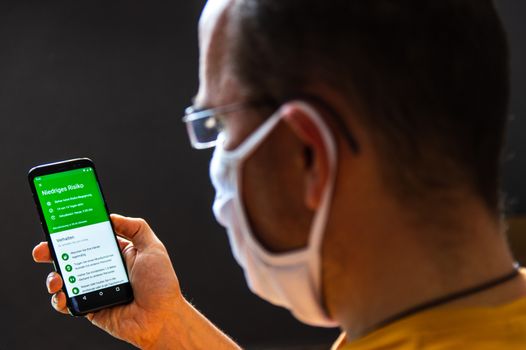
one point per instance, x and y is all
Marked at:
(293, 279)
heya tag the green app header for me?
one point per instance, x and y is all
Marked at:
(70, 199)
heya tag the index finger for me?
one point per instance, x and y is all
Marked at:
(41, 253)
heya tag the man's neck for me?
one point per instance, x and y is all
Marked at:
(391, 269)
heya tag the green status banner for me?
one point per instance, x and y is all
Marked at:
(70, 199)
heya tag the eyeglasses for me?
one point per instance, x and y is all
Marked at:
(205, 124)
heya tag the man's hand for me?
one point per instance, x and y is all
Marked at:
(154, 282)
(159, 316)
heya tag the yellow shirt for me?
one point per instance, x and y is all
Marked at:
(501, 327)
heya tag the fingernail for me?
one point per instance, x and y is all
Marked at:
(54, 299)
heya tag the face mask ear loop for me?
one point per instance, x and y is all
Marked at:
(247, 147)
(319, 224)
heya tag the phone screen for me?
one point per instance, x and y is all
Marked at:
(82, 238)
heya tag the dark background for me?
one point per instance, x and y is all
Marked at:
(109, 80)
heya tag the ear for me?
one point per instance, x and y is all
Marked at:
(316, 159)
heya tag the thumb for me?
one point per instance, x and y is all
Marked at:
(136, 230)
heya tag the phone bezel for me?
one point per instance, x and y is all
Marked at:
(66, 165)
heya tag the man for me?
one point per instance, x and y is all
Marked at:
(356, 171)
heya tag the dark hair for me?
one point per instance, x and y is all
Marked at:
(428, 78)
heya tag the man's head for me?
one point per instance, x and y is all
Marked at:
(421, 87)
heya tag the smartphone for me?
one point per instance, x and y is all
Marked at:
(81, 238)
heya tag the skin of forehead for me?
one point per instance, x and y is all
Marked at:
(212, 13)
(212, 26)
